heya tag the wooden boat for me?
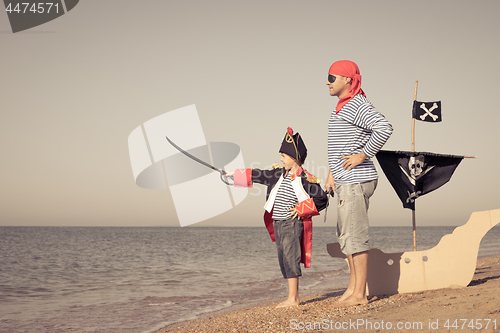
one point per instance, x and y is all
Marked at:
(451, 263)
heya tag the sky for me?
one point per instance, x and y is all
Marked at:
(73, 89)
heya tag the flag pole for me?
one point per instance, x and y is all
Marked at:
(413, 121)
(413, 149)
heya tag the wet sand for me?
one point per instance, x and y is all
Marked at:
(467, 309)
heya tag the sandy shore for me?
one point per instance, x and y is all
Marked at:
(443, 310)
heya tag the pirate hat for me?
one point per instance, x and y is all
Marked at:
(293, 145)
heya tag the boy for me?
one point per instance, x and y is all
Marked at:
(293, 196)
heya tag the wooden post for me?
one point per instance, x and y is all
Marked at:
(413, 149)
(413, 120)
(414, 230)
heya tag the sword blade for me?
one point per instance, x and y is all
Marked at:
(193, 157)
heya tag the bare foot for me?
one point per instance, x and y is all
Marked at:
(347, 293)
(287, 303)
(350, 301)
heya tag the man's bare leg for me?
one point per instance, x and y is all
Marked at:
(293, 294)
(352, 280)
(358, 296)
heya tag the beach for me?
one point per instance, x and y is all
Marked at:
(475, 308)
(140, 280)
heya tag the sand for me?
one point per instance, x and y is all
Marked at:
(466, 309)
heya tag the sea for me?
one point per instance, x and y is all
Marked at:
(138, 280)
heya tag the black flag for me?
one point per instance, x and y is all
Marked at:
(427, 111)
(413, 174)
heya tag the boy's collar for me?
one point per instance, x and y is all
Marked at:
(295, 175)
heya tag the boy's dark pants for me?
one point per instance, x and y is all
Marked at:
(288, 235)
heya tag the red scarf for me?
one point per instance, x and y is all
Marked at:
(348, 69)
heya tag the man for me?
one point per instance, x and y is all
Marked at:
(356, 132)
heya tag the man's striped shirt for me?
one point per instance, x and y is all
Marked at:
(285, 199)
(357, 127)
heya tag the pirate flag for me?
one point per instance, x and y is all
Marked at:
(413, 174)
(427, 111)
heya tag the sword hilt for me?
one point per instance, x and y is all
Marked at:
(224, 178)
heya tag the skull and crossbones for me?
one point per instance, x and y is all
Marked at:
(416, 165)
(417, 168)
(412, 196)
(429, 112)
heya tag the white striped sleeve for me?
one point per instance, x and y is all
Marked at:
(369, 118)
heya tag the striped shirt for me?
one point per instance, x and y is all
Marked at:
(285, 199)
(357, 127)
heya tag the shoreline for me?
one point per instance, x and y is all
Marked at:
(439, 310)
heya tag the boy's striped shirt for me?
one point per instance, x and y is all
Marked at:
(285, 199)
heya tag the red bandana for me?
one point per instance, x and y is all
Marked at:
(348, 69)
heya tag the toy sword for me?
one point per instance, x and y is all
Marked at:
(223, 176)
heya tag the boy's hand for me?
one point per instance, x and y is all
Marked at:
(295, 212)
(229, 174)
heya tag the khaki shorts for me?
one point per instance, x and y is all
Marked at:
(352, 216)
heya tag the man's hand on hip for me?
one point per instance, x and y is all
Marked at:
(351, 161)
